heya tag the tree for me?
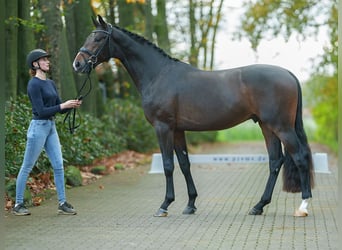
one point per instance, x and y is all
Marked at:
(264, 19)
(52, 16)
(203, 17)
(11, 52)
(302, 18)
(161, 27)
(26, 43)
(79, 25)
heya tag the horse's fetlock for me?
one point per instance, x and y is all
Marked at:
(170, 199)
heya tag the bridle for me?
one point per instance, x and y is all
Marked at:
(91, 61)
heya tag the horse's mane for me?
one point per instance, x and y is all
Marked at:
(142, 40)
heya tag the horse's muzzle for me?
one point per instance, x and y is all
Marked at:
(81, 67)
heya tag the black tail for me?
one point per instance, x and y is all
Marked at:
(291, 179)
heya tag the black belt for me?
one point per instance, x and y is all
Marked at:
(52, 118)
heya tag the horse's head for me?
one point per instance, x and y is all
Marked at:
(96, 48)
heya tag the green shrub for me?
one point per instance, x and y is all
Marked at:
(80, 148)
(122, 127)
(126, 120)
(196, 138)
(73, 176)
(17, 119)
(99, 169)
(85, 144)
(321, 94)
(247, 131)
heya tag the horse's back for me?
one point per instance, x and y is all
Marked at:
(267, 74)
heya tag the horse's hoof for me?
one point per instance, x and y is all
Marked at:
(301, 213)
(189, 210)
(161, 213)
(255, 211)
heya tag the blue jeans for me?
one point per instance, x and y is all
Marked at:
(41, 134)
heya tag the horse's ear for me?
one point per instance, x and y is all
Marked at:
(95, 22)
(103, 23)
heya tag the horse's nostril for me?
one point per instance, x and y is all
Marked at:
(77, 64)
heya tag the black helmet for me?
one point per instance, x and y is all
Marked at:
(35, 55)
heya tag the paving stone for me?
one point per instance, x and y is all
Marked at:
(117, 211)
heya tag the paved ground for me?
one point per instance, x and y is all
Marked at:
(116, 213)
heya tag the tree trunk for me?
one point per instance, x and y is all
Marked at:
(193, 57)
(67, 81)
(11, 52)
(26, 43)
(148, 20)
(215, 28)
(70, 25)
(161, 27)
(126, 20)
(82, 13)
(52, 17)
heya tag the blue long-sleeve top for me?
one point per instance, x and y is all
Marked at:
(44, 98)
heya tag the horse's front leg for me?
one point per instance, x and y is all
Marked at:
(166, 143)
(184, 163)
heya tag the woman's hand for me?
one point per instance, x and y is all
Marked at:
(71, 104)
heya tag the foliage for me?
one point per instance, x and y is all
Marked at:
(32, 24)
(265, 19)
(85, 144)
(247, 131)
(93, 139)
(196, 138)
(322, 98)
(73, 176)
(125, 118)
(16, 123)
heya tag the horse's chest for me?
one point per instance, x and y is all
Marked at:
(159, 109)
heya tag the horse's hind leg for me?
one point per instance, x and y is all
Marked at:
(184, 163)
(274, 149)
(298, 162)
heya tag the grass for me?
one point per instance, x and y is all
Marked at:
(247, 131)
(250, 131)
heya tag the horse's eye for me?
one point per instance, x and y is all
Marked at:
(98, 39)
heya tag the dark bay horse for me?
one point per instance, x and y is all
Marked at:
(177, 97)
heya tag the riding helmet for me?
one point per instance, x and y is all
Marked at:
(35, 55)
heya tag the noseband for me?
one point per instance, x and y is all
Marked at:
(92, 59)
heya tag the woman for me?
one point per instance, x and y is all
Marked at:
(42, 132)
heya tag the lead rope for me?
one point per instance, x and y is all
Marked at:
(71, 114)
(92, 60)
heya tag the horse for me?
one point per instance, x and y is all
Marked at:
(177, 97)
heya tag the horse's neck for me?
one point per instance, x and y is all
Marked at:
(142, 61)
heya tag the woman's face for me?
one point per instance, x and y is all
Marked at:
(44, 63)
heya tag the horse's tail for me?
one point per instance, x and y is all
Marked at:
(291, 179)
